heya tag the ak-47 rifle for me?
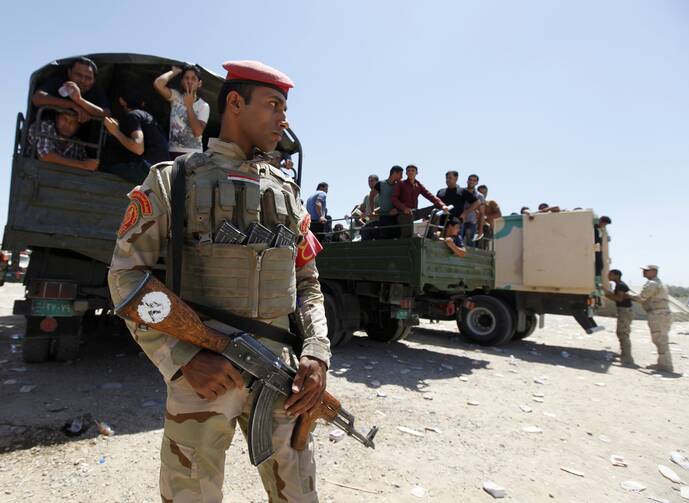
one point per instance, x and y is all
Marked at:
(152, 304)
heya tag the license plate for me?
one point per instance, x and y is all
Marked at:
(402, 314)
(54, 308)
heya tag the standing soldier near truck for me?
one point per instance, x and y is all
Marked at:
(228, 187)
(625, 315)
(654, 297)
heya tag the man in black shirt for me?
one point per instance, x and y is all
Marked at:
(143, 140)
(78, 91)
(457, 197)
(625, 315)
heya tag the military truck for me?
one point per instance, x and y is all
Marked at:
(69, 217)
(536, 264)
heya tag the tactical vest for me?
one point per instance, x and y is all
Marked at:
(248, 280)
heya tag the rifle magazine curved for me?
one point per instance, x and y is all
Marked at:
(261, 424)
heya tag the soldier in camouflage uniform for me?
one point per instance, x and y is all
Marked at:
(206, 397)
(654, 297)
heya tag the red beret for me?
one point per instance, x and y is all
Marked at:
(255, 71)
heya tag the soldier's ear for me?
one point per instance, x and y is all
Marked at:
(234, 102)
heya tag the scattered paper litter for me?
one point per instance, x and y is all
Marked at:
(532, 429)
(404, 429)
(538, 395)
(539, 400)
(684, 492)
(27, 388)
(601, 384)
(336, 435)
(539, 381)
(428, 396)
(564, 354)
(433, 429)
(669, 474)
(604, 438)
(525, 408)
(572, 471)
(550, 414)
(463, 378)
(473, 402)
(679, 459)
(617, 460)
(375, 384)
(633, 486)
(513, 371)
(494, 490)
(658, 500)
(418, 491)
(380, 393)
(10, 381)
(446, 366)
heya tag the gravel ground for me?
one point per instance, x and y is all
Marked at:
(468, 407)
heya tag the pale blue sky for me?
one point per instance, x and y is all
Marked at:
(582, 103)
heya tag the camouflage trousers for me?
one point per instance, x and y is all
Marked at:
(197, 434)
(625, 316)
(660, 322)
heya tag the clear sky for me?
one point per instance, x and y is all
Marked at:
(580, 103)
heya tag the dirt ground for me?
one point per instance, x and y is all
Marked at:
(465, 401)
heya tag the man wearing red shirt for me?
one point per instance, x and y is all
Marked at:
(406, 199)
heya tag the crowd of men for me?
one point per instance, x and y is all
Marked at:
(462, 216)
(65, 132)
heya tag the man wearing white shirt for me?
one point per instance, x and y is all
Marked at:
(188, 113)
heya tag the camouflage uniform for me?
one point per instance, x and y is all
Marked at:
(197, 431)
(655, 299)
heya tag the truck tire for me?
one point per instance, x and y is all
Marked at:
(531, 324)
(486, 321)
(335, 332)
(386, 329)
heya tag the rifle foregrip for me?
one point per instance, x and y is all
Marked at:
(327, 410)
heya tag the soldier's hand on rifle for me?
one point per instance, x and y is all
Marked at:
(211, 375)
(308, 386)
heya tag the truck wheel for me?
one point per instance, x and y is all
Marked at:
(486, 321)
(334, 323)
(386, 329)
(531, 323)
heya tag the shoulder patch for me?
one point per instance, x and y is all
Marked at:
(131, 217)
(142, 199)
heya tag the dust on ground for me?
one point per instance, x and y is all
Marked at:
(470, 404)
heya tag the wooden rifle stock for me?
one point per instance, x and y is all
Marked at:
(327, 410)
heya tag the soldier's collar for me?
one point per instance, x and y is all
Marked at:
(226, 148)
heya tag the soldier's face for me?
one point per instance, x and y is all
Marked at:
(264, 118)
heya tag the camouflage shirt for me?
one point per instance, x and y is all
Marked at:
(144, 233)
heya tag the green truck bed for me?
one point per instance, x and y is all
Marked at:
(423, 264)
(56, 207)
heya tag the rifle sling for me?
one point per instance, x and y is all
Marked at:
(255, 327)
